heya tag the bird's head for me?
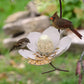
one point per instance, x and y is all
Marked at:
(54, 17)
(26, 40)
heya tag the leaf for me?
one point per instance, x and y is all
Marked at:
(3, 75)
(21, 66)
(12, 63)
(29, 82)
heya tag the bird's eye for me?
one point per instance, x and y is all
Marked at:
(53, 18)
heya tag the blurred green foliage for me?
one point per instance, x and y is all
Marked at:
(8, 7)
(70, 11)
(73, 10)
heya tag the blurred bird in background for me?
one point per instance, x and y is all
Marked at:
(21, 44)
(63, 24)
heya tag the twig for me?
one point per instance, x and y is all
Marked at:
(60, 11)
(82, 61)
(54, 69)
(60, 8)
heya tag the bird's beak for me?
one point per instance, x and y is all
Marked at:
(51, 18)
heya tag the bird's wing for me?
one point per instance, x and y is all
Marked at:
(62, 23)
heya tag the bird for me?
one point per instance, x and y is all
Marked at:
(20, 44)
(60, 23)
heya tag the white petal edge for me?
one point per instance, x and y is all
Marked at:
(32, 47)
(53, 34)
(60, 52)
(64, 45)
(33, 37)
(26, 54)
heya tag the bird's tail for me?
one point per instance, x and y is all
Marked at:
(77, 33)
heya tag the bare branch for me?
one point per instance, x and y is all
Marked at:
(54, 69)
(60, 8)
(81, 60)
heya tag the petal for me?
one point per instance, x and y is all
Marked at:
(33, 37)
(60, 52)
(63, 45)
(65, 42)
(54, 35)
(32, 47)
(26, 54)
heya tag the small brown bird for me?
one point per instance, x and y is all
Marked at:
(63, 24)
(21, 44)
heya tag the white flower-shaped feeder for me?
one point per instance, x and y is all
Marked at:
(45, 46)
